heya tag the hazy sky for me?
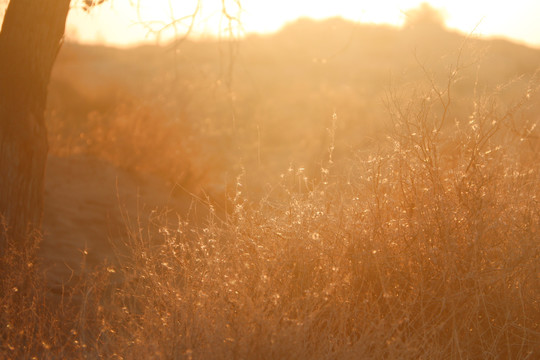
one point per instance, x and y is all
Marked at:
(115, 22)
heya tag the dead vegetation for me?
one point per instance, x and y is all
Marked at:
(424, 244)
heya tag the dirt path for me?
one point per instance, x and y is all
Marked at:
(86, 204)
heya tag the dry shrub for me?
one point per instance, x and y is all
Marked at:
(136, 135)
(426, 248)
(142, 138)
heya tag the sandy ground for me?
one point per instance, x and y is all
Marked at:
(87, 205)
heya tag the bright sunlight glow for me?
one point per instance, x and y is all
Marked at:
(120, 22)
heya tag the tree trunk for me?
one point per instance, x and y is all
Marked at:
(30, 39)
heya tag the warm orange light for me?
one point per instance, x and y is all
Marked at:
(119, 22)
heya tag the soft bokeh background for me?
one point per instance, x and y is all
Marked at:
(335, 189)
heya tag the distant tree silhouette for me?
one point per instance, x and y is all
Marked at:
(424, 17)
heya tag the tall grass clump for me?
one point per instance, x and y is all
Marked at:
(42, 322)
(29, 327)
(21, 297)
(425, 247)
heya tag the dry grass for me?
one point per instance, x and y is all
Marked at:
(425, 247)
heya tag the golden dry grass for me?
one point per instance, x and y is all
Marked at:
(424, 245)
(427, 248)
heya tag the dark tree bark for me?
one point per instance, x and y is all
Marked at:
(30, 39)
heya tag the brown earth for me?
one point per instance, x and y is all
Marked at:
(90, 207)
